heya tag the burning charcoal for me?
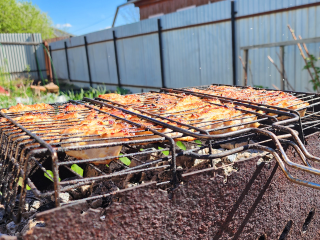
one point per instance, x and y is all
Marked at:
(35, 205)
(230, 158)
(228, 145)
(183, 161)
(46, 206)
(31, 224)
(114, 166)
(165, 176)
(27, 207)
(216, 162)
(12, 228)
(198, 162)
(85, 189)
(228, 170)
(143, 177)
(64, 197)
(80, 192)
(96, 203)
(202, 163)
(2, 212)
(40, 224)
(134, 163)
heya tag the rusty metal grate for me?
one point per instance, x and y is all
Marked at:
(309, 117)
(265, 117)
(256, 202)
(28, 146)
(276, 150)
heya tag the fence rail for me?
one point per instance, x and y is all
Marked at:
(279, 44)
(19, 43)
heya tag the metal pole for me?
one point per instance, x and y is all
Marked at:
(233, 36)
(50, 52)
(35, 55)
(88, 62)
(245, 72)
(161, 56)
(282, 82)
(67, 59)
(47, 60)
(116, 56)
(53, 72)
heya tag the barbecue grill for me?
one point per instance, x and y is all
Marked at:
(298, 145)
(30, 151)
(24, 153)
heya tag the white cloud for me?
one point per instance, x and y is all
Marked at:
(66, 25)
(105, 28)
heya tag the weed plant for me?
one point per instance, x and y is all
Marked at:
(19, 91)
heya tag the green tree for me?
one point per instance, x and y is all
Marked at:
(24, 17)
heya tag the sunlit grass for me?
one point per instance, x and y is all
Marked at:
(20, 91)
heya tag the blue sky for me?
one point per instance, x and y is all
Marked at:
(82, 16)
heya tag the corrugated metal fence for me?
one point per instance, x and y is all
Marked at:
(16, 58)
(196, 47)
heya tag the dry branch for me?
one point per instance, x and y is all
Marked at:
(284, 74)
(284, 78)
(275, 87)
(251, 75)
(301, 51)
(245, 71)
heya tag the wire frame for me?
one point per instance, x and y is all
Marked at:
(308, 114)
(26, 146)
(221, 127)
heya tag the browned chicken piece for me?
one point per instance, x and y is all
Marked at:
(186, 103)
(98, 126)
(192, 110)
(95, 129)
(145, 123)
(24, 108)
(271, 98)
(121, 99)
(72, 107)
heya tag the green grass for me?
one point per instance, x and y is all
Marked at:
(20, 91)
(26, 96)
(91, 93)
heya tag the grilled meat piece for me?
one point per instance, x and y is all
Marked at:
(207, 114)
(24, 108)
(271, 98)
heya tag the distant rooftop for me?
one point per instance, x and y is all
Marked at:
(156, 8)
(60, 33)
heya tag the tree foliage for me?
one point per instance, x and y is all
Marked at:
(24, 17)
